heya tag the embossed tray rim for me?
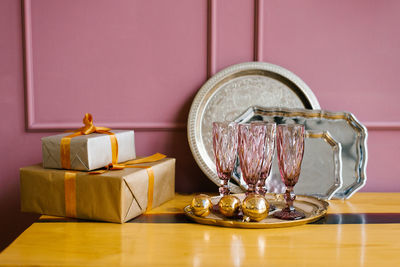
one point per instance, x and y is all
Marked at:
(205, 93)
(262, 225)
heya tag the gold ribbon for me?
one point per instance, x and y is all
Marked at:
(70, 181)
(70, 194)
(150, 191)
(85, 130)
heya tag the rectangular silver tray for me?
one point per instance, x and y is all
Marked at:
(342, 126)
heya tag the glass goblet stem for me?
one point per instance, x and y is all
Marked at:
(260, 188)
(251, 189)
(289, 198)
(224, 187)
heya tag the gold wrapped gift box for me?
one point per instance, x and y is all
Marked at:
(114, 196)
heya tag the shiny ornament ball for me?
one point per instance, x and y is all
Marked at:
(229, 206)
(255, 207)
(201, 205)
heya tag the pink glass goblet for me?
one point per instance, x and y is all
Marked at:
(290, 148)
(225, 143)
(251, 153)
(269, 150)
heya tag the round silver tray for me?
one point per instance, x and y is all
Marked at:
(312, 207)
(232, 91)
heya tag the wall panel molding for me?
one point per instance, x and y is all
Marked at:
(31, 122)
(382, 126)
(211, 37)
(28, 65)
(258, 29)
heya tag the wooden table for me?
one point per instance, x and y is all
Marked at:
(362, 231)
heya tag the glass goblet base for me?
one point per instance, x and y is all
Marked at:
(289, 214)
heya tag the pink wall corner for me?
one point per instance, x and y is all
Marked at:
(17, 147)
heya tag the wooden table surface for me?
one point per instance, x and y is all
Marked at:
(361, 231)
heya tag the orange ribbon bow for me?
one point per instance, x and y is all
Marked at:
(85, 130)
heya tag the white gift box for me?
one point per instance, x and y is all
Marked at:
(88, 152)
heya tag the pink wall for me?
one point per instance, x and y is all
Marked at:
(138, 64)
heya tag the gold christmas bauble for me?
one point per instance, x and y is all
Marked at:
(255, 207)
(201, 205)
(229, 205)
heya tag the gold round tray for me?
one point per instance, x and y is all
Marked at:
(312, 207)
